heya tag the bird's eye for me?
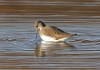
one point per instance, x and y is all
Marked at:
(36, 26)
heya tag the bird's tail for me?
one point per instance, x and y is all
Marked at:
(74, 34)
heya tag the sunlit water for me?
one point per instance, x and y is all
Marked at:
(19, 49)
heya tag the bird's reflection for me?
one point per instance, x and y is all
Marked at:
(52, 49)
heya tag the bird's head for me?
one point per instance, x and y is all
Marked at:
(39, 24)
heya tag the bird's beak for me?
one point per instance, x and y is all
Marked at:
(37, 30)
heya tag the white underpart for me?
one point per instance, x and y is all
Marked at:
(48, 38)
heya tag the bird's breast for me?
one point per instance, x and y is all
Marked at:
(47, 38)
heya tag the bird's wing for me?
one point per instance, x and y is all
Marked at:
(55, 32)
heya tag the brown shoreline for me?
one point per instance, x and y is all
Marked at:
(76, 7)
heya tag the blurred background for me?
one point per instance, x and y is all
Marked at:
(69, 11)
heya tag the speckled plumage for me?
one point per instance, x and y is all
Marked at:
(51, 32)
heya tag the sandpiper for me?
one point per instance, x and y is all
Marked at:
(51, 33)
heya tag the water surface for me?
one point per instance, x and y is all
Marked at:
(19, 50)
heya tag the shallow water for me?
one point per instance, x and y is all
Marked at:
(19, 49)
